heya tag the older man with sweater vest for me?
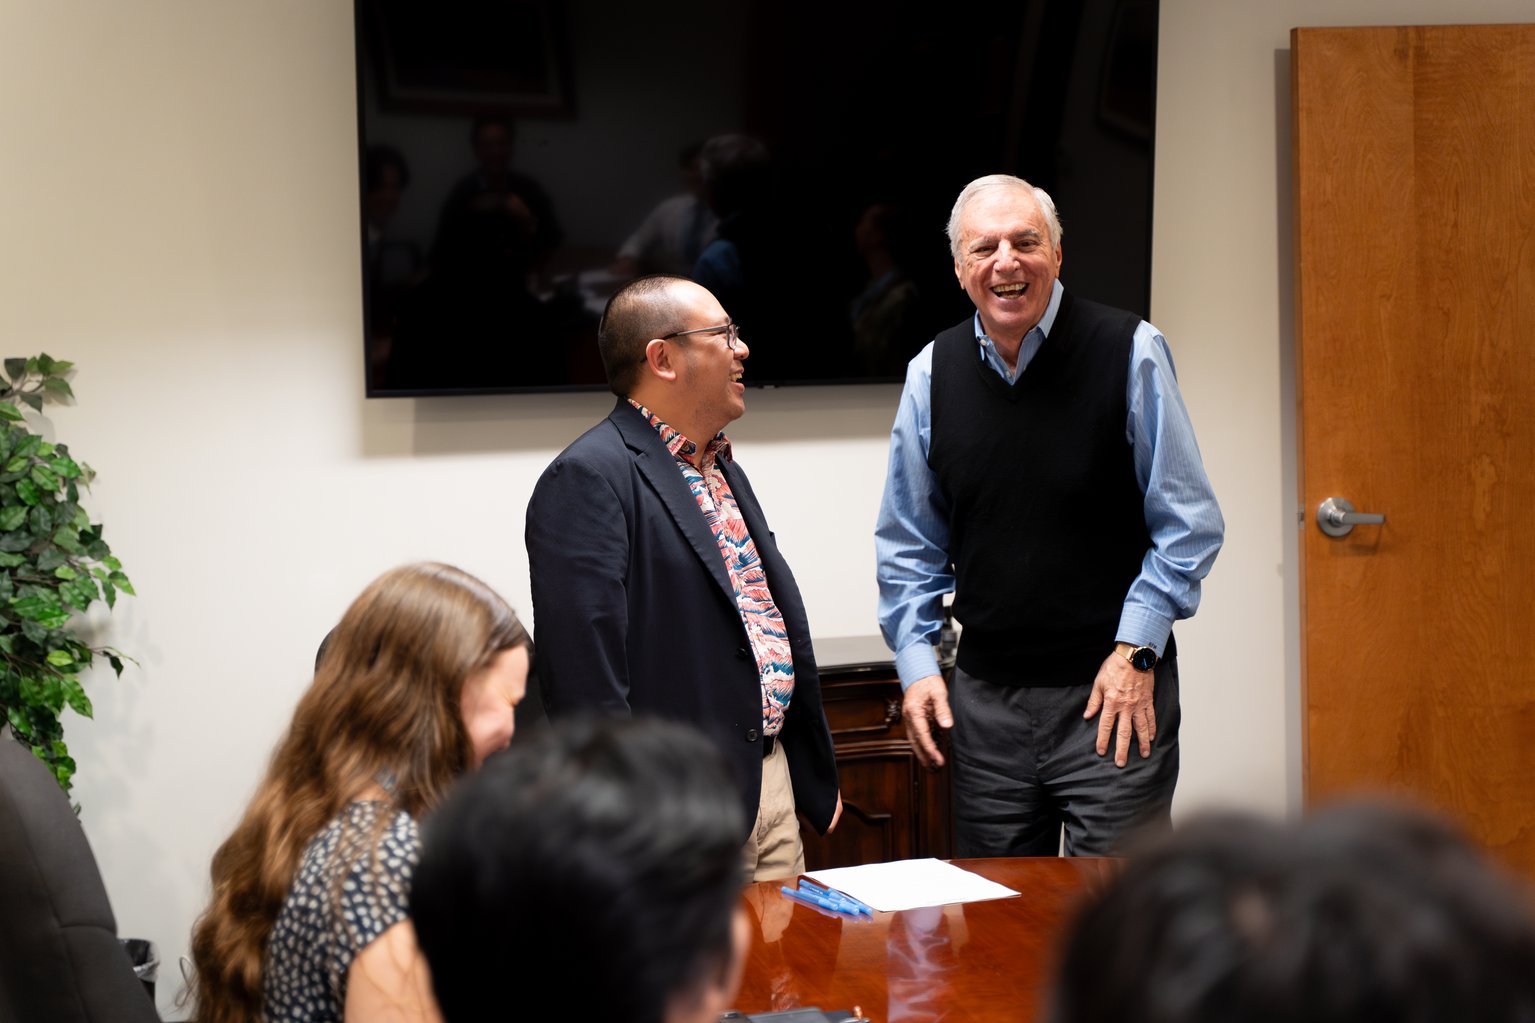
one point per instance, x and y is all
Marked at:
(1043, 469)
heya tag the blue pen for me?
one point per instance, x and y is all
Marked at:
(811, 899)
(852, 905)
(862, 907)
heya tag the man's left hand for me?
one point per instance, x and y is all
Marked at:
(1124, 696)
(836, 815)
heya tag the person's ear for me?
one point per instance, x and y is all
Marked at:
(661, 358)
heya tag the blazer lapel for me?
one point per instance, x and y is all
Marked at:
(660, 470)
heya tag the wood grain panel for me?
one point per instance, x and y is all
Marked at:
(1415, 213)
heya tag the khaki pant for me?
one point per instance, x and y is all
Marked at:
(773, 849)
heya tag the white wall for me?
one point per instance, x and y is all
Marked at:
(177, 216)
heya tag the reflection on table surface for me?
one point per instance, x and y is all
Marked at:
(969, 962)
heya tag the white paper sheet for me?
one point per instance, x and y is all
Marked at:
(909, 884)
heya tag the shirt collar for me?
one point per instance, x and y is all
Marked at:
(1046, 321)
(678, 445)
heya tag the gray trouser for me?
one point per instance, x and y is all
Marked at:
(1026, 765)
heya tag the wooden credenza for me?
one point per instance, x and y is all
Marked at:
(892, 807)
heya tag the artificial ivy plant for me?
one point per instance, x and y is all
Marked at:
(53, 565)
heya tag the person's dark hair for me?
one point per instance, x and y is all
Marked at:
(639, 311)
(1364, 911)
(483, 121)
(688, 155)
(737, 173)
(600, 860)
(377, 159)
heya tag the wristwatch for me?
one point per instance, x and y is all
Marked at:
(1141, 658)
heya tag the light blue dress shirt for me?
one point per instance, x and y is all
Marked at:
(911, 539)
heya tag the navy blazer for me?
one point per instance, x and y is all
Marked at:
(634, 610)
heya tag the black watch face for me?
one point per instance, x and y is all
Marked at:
(1143, 658)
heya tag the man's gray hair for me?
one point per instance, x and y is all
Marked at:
(1002, 182)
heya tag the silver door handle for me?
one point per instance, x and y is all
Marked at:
(1337, 517)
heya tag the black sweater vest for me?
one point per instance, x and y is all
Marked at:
(1047, 528)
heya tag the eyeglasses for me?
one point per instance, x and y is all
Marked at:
(731, 331)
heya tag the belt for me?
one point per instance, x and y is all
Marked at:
(768, 742)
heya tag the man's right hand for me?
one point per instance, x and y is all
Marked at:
(926, 703)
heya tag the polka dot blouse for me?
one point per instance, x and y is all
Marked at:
(317, 935)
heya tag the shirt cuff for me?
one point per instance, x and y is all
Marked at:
(1142, 626)
(915, 662)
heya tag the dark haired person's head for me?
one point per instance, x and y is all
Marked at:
(598, 864)
(1363, 911)
(736, 171)
(642, 309)
(493, 137)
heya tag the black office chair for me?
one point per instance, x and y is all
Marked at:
(60, 960)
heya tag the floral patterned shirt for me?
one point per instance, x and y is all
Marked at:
(759, 614)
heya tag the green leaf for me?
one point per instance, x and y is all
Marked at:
(121, 582)
(42, 363)
(60, 658)
(40, 607)
(42, 691)
(117, 664)
(34, 400)
(113, 564)
(50, 559)
(57, 389)
(63, 770)
(109, 594)
(29, 607)
(15, 540)
(68, 539)
(40, 520)
(65, 572)
(62, 366)
(27, 491)
(18, 463)
(15, 369)
(12, 518)
(79, 593)
(75, 696)
(10, 412)
(65, 467)
(27, 446)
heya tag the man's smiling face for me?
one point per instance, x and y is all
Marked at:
(1006, 263)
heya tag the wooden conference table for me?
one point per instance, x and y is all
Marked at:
(974, 961)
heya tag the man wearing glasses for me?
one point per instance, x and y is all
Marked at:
(657, 585)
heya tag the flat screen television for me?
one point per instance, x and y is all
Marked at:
(519, 160)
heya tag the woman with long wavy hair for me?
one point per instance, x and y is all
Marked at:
(416, 685)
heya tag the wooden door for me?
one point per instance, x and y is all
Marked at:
(1415, 206)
